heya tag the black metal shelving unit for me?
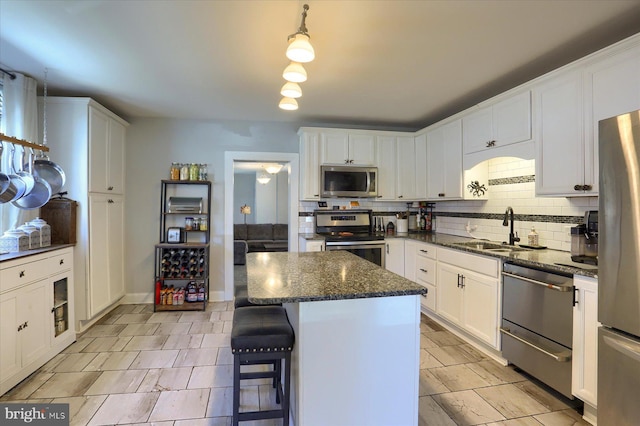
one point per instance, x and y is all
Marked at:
(183, 265)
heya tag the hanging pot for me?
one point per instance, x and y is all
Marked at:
(17, 187)
(50, 172)
(43, 166)
(39, 195)
(25, 174)
(4, 178)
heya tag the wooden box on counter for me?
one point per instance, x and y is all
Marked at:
(61, 215)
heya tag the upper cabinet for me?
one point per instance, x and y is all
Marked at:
(386, 151)
(344, 147)
(106, 152)
(444, 161)
(411, 175)
(309, 164)
(570, 103)
(503, 123)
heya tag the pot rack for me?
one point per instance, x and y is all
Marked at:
(23, 142)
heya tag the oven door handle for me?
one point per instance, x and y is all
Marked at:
(562, 289)
(564, 356)
(355, 243)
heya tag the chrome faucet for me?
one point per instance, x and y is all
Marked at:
(508, 215)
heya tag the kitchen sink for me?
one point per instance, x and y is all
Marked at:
(491, 246)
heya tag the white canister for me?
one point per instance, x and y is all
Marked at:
(13, 241)
(45, 231)
(402, 226)
(33, 233)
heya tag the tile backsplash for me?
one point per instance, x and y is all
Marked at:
(511, 183)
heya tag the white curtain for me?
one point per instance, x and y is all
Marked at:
(19, 119)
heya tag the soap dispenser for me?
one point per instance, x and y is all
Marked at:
(533, 237)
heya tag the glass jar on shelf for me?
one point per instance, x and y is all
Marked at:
(188, 223)
(184, 171)
(194, 171)
(174, 173)
(203, 175)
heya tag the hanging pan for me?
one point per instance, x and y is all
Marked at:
(25, 173)
(4, 178)
(39, 195)
(17, 187)
(43, 167)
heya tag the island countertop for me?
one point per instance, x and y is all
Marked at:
(289, 277)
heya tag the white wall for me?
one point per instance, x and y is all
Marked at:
(152, 144)
(244, 193)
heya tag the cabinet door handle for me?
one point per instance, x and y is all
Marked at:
(62, 261)
(110, 201)
(387, 248)
(110, 188)
(586, 187)
(575, 296)
(22, 274)
(491, 143)
(346, 161)
(441, 194)
(316, 195)
(424, 270)
(462, 281)
(458, 280)
(578, 188)
(424, 251)
(399, 196)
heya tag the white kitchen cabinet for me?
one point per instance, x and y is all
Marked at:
(584, 367)
(347, 147)
(411, 173)
(106, 152)
(394, 255)
(92, 167)
(503, 123)
(444, 162)
(564, 155)
(106, 271)
(28, 338)
(309, 164)
(306, 245)
(468, 292)
(386, 148)
(420, 267)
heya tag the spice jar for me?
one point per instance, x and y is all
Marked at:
(184, 171)
(196, 224)
(194, 171)
(174, 173)
(188, 224)
(203, 224)
(203, 172)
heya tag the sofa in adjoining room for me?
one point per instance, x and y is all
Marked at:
(263, 236)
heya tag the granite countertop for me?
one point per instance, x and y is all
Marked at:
(288, 277)
(5, 257)
(554, 260)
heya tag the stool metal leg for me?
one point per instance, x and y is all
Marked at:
(236, 390)
(286, 386)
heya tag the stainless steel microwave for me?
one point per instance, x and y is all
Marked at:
(348, 181)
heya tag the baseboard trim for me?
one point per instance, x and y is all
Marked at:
(137, 298)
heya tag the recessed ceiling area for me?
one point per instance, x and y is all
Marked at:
(379, 64)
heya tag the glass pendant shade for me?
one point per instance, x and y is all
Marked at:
(288, 104)
(272, 169)
(295, 73)
(300, 49)
(291, 90)
(263, 179)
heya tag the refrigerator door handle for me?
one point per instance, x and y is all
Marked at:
(624, 346)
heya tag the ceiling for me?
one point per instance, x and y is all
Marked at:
(379, 64)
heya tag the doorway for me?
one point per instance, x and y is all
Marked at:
(291, 164)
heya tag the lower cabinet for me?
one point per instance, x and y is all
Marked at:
(584, 372)
(420, 267)
(469, 298)
(36, 313)
(394, 255)
(310, 245)
(106, 257)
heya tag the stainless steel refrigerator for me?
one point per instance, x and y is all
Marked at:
(619, 271)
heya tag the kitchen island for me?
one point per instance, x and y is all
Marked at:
(356, 356)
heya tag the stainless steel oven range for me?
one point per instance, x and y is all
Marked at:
(351, 230)
(537, 324)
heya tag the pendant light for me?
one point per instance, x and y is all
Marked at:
(299, 52)
(291, 90)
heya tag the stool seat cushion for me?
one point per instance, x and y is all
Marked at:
(261, 329)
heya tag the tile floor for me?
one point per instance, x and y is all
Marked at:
(175, 368)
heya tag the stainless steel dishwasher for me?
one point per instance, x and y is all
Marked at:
(537, 324)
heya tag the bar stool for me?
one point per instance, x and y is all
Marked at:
(262, 335)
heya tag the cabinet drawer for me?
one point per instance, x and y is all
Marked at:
(428, 300)
(19, 275)
(426, 270)
(480, 264)
(62, 261)
(426, 250)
